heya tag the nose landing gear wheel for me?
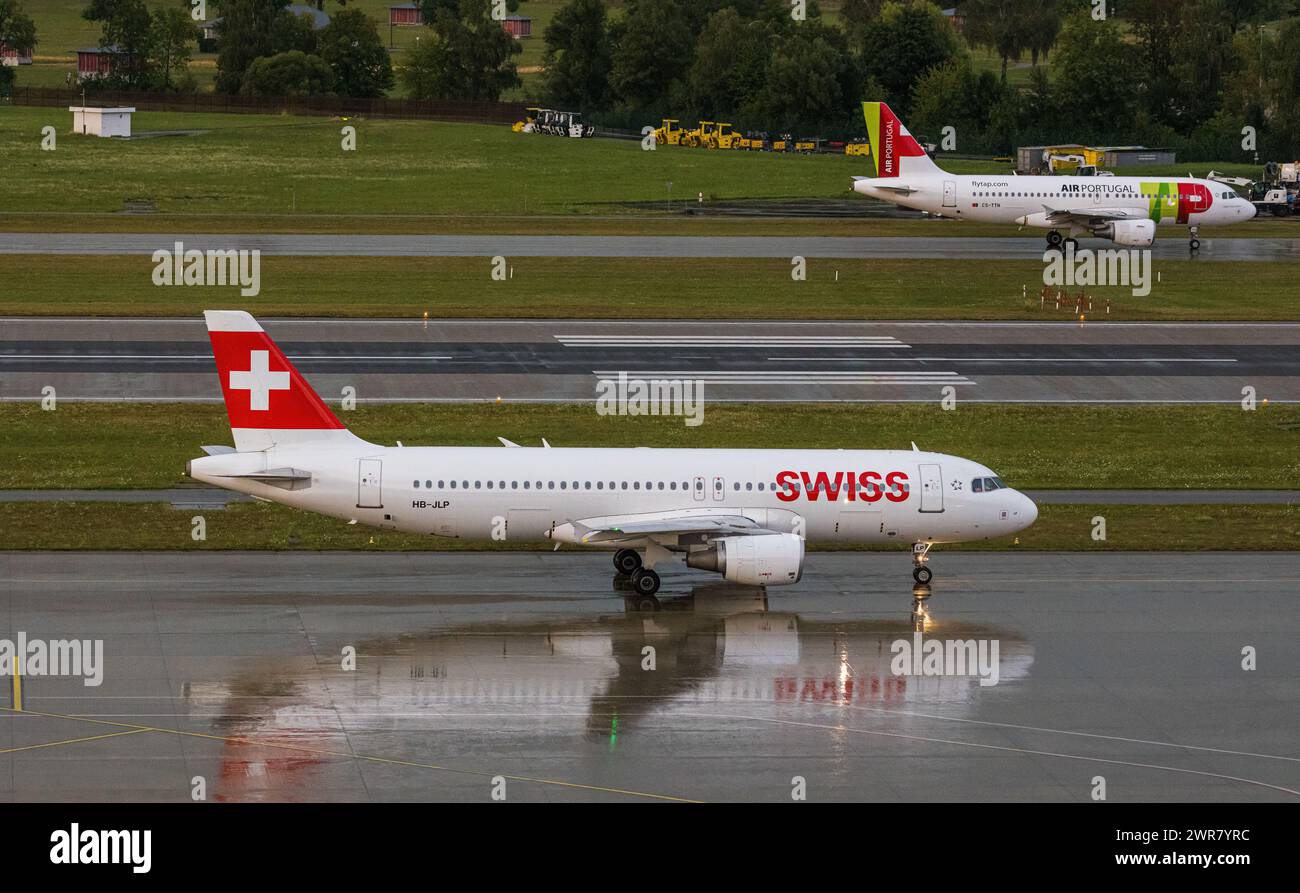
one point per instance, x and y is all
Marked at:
(921, 574)
(627, 561)
(645, 581)
(1195, 244)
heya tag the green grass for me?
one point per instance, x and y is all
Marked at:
(1033, 447)
(255, 165)
(112, 527)
(651, 287)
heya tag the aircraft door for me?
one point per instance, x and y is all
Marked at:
(719, 489)
(369, 478)
(949, 194)
(931, 488)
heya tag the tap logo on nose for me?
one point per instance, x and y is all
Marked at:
(259, 380)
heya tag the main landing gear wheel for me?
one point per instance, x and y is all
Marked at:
(645, 581)
(627, 561)
(922, 574)
(1054, 241)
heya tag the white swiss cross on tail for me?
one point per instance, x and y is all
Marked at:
(259, 380)
(250, 367)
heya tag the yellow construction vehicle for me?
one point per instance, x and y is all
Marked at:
(857, 147)
(667, 135)
(754, 139)
(699, 136)
(782, 143)
(723, 137)
(806, 146)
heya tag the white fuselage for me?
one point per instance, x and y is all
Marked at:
(523, 494)
(1028, 200)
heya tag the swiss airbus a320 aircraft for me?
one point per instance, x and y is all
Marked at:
(1125, 210)
(745, 514)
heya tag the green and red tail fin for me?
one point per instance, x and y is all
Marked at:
(894, 151)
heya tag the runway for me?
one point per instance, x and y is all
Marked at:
(566, 360)
(1172, 246)
(533, 671)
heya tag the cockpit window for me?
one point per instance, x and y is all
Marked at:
(1002, 485)
(977, 485)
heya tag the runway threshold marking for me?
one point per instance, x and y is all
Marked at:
(235, 739)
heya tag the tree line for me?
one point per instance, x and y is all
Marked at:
(1204, 77)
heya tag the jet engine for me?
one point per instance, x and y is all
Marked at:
(1139, 233)
(774, 559)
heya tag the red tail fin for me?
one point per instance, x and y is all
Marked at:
(268, 401)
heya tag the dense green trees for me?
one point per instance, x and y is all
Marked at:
(153, 48)
(465, 56)
(17, 31)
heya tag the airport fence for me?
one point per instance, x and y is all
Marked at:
(335, 106)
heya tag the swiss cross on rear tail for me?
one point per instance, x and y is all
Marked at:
(262, 389)
(259, 381)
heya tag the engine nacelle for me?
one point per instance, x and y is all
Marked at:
(1138, 233)
(774, 559)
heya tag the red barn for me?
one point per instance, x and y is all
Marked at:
(404, 14)
(518, 26)
(12, 58)
(95, 62)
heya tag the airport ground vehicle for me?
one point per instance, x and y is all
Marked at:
(745, 514)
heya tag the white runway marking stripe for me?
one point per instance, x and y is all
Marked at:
(731, 341)
(792, 376)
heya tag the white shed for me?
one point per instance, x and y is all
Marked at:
(101, 121)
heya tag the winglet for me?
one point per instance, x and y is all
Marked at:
(914, 449)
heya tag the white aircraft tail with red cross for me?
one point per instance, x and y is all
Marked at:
(268, 401)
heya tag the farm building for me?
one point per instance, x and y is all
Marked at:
(518, 26)
(957, 17)
(95, 62)
(12, 58)
(318, 19)
(404, 14)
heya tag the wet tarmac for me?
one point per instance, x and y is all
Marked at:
(534, 674)
(387, 360)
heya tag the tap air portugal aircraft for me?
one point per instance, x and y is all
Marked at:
(745, 514)
(1125, 210)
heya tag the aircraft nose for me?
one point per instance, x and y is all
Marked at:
(1253, 211)
(1028, 511)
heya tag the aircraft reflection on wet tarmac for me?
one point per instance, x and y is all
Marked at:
(599, 679)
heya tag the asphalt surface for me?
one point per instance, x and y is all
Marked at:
(203, 497)
(563, 360)
(536, 669)
(1172, 246)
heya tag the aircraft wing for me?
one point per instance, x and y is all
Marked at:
(592, 531)
(1090, 215)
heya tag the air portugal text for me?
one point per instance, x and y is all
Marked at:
(864, 486)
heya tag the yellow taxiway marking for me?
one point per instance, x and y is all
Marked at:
(18, 684)
(235, 739)
(73, 741)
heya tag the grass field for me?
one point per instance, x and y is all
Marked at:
(1032, 447)
(276, 165)
(108, 526)
(587, 288)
